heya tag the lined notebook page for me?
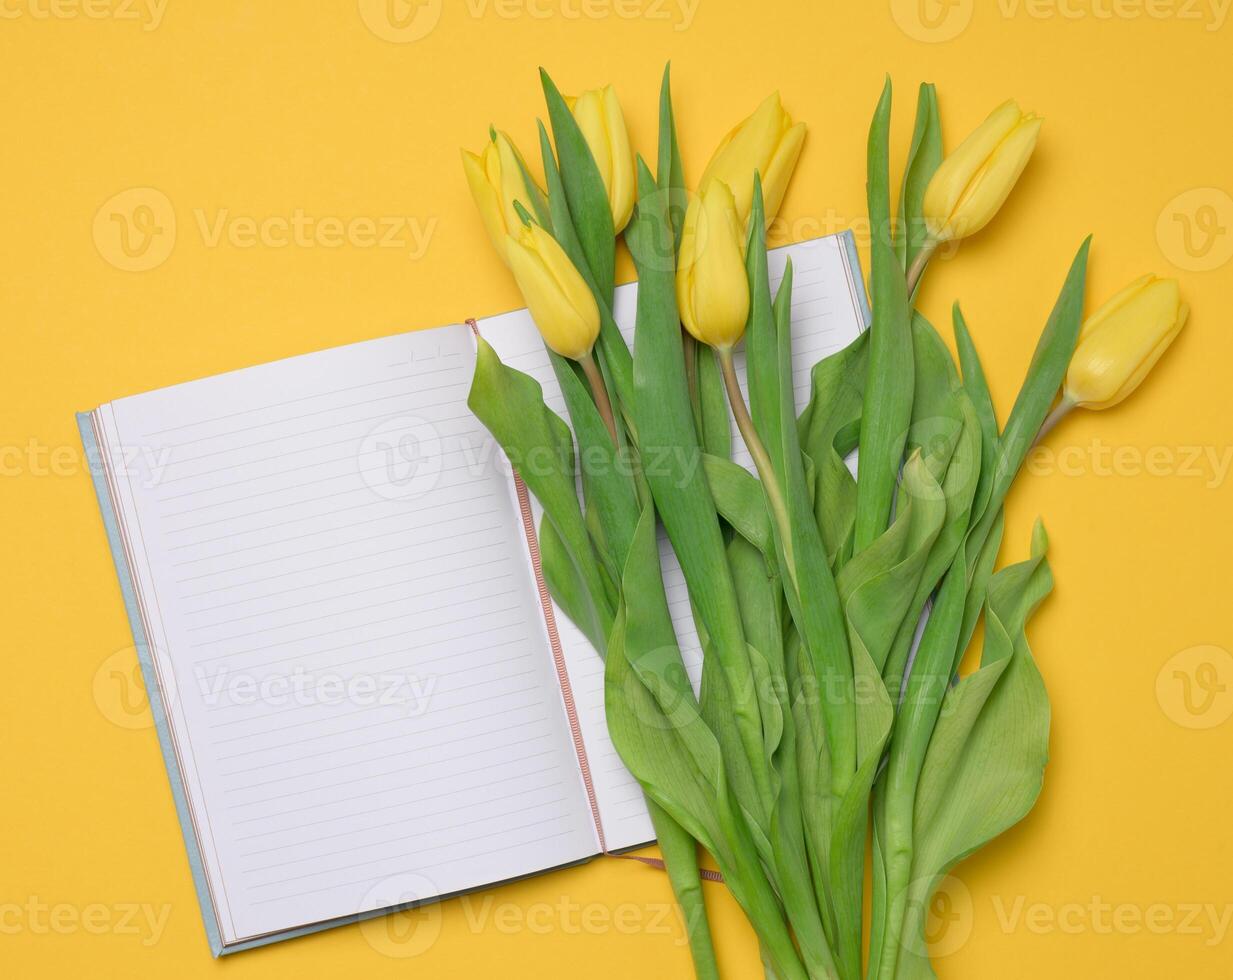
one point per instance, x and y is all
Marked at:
(828, 312)
(335, 586)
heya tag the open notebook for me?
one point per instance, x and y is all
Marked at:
(364, 697)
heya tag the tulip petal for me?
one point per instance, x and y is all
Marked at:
(487, 201)
(992, 183)
(1134, 330)
(958, 168)
(779, 171)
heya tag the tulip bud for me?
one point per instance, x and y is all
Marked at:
(497, 179)
(766, 142)
(599, 116)
(712, 290)
(974, 181)
(1121, 341)
(560, 301)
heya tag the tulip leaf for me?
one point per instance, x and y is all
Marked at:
(977, 387)
(739, 500)
(986, 760)
(923, 159)
(616, 359)
(946, 432)
(682, 496)
(660, 735)
(584, 188)
(564, 582)
(888, 395)
(1040, 386)
(829, 429)
(670, 172)
(538, 443)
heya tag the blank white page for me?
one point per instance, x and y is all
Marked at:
(360, 690)
(828, 312)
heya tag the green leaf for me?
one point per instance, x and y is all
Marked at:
(946, 432)
(659, 732)
(682, 496)
(977, 387)
(566, 585)
(888, 395)
(615, 357)
(923, 160)
(1040, 387)
(511, 406)
(670, 172)
(829, 428)
(739, 500)
(986, 760)
(584, 188)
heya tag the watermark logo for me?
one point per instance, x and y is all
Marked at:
(401, 21)
(932, 21)
(136, 229)
(1195, 229)
(946, 919)
(401, 458)
(1195, 687)
(407, 934)
(120, 693)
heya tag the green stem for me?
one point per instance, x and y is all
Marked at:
(1063, 408)
(598, 389)
(761, 458)
(681, 861)
(917, 268)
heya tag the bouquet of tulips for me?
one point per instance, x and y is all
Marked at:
(834, 612)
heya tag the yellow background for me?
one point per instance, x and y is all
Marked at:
(253, 111)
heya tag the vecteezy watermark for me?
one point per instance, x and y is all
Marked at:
(303, 688)
(1195, 229)
(36, 458)
(1098, 916)
(404, 21)
(136, 230)
(299, 229)
(1195, 687)
(401, 458)
(147, 13)
(932, 21)
(120, 692)
(1209, 465)
(144, 921)
(408, 933)
(416, 930)
(935, 21)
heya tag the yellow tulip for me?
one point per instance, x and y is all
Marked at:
(1121, 341)
(766, 142)
(599, 116)
(711, 287)
(974, 181)
(497, 179)
(559, 299)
